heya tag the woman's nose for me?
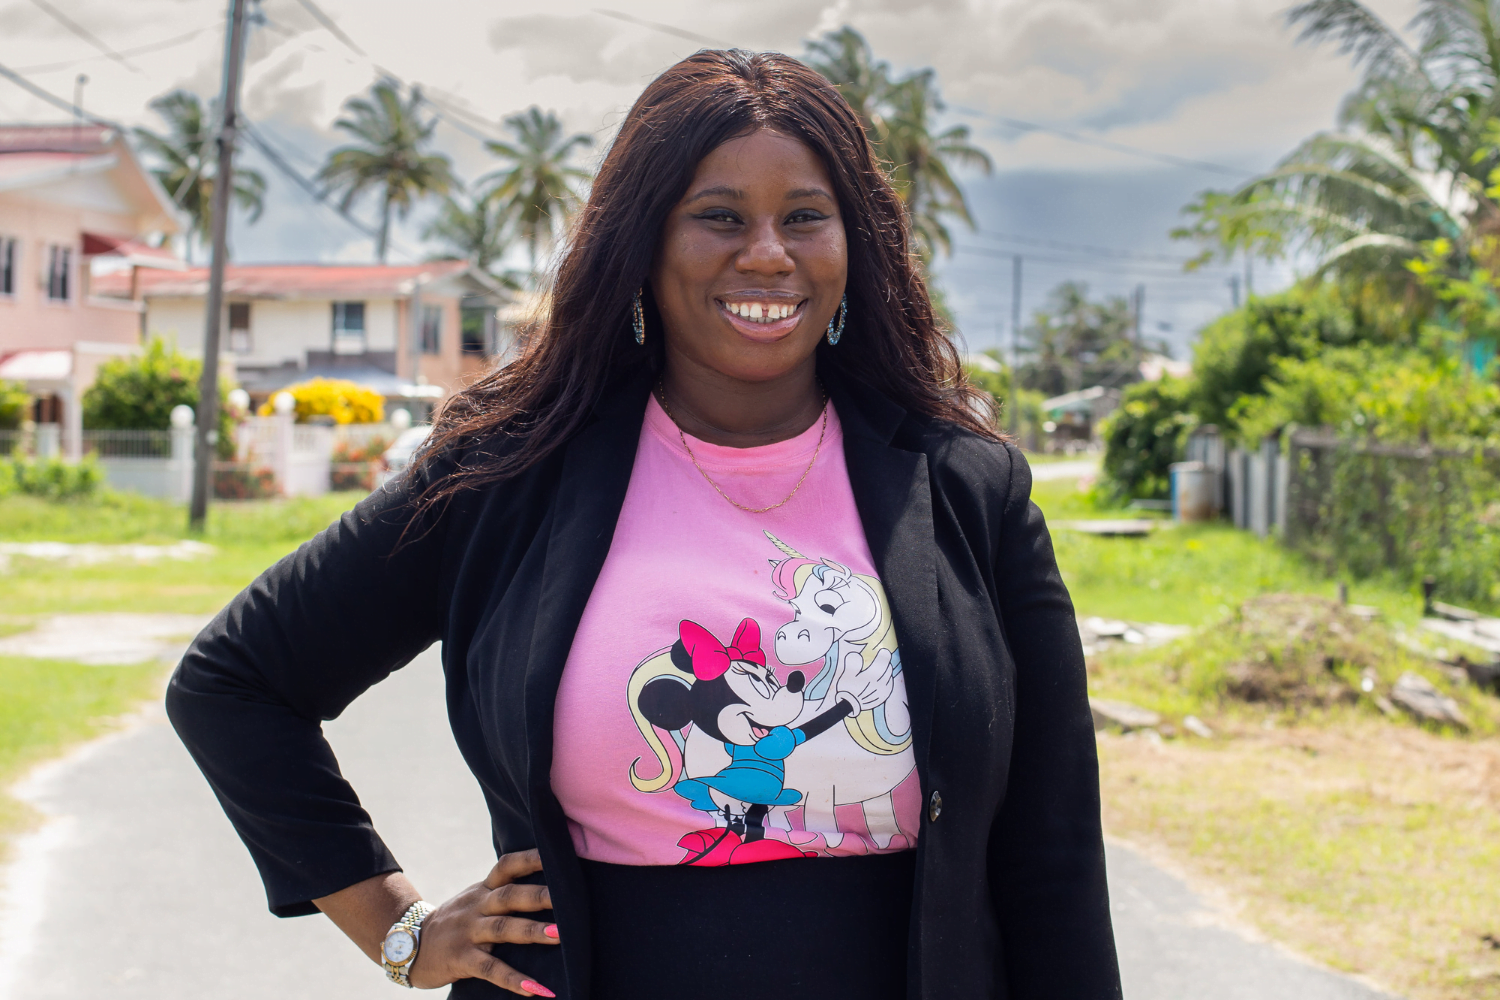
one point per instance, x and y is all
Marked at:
(766, 253)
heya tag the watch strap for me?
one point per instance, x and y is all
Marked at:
(411, 922)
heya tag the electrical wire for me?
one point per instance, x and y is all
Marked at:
(85, 34)
(55, 101)
(320, 195)
(1118, 147)
(138, 50)
(1082, 248)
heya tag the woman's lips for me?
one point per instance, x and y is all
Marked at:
(757, 325)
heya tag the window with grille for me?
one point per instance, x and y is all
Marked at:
(239, 327)
(59, 273)
(8, 264)
(348, 328)
(432, 329)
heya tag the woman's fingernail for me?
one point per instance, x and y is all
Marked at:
(537, 988)
(550, 930)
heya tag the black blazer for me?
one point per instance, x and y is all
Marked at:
(1010, 898)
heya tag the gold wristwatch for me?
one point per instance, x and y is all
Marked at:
(399, 949)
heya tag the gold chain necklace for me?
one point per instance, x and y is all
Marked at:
(661, 392)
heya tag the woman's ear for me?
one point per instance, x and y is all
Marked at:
(665, 703)
(681, 658)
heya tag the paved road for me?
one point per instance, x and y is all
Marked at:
(138, 887)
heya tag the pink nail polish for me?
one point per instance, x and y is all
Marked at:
(537, 988)
(550, 930)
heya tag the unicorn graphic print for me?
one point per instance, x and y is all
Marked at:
(795, 762)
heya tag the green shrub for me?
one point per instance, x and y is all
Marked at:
(1236, 356)
(13, 402)
(1145, 436)
(139, 393)
(51, 478)
(1395, 395)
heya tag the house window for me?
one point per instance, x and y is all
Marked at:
(8, 264)
(473, 326)
(432, 329)
(59, 272)
(239, 327)
(348, 328)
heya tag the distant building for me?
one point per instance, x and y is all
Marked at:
(73, 200)
(284, 323)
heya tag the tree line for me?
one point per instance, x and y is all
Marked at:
(527, 202)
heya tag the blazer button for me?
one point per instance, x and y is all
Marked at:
(935, 806)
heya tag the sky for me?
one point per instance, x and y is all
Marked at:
(1220, 83)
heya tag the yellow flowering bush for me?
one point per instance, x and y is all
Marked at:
(346, 402)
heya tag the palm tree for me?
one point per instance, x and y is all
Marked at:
(923, 159)
(389, 157)
(1407, 164)
(537, 187)
(847, 60)
(472, 229)
(187, 160)
(898, 117)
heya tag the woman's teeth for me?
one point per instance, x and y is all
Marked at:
(757, 312)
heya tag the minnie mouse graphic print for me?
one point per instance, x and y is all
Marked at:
(734, 690)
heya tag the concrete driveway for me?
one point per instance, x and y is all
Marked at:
(138, 888)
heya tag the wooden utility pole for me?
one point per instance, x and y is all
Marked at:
(206, 436)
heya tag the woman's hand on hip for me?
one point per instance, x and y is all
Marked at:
(455, 935)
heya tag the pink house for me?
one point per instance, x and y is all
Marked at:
(73, 200)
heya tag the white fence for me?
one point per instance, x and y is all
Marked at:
(156, 463)
(1257, 487)
(272, 455)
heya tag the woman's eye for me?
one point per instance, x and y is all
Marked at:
(804, 216)
(718, 215)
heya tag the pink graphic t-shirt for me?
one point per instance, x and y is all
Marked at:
(734, 691)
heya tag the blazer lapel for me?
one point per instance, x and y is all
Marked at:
(894, 497)
(595, 475)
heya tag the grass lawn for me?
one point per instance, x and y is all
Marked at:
(246, 536)
(50, 704)
(1187, 574)
(1371, 845)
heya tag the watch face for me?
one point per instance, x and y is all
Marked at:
(399, 946)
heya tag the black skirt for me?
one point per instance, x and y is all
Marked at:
(817, 928)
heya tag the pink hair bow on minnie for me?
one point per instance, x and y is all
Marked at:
(711, 658)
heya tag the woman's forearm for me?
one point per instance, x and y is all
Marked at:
(366, 910)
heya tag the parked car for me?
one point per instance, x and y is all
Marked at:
(398, 455)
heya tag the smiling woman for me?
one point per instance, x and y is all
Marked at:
(739, 419)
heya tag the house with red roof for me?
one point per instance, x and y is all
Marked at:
(74, 201)
(412, 332)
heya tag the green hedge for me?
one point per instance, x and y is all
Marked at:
(1145, 436)
(51, 478)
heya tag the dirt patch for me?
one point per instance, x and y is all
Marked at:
(1373, 848)
(1300, 649)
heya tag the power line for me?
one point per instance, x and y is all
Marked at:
(54, 100)
(85, 34)
(138, 50)
(274, 155)
(665, 29)
(438, 106)
(1118, 147)
(331, 26)
(1082, 248)
(1090, 265)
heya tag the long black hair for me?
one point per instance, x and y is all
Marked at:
(893, 340)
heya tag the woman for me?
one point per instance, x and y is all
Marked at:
(751, 634)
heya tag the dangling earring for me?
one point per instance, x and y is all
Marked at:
(835, 332)
(638, 318)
